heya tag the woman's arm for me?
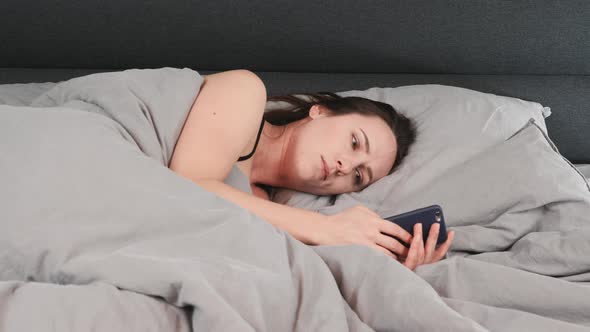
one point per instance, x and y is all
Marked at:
(221, 125)
(305, 226)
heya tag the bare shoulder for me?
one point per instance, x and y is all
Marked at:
(221, 88)
(239, 78)
(220, 125)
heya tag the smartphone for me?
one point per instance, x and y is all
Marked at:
(427, 216)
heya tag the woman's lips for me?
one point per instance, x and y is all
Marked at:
(324, 168)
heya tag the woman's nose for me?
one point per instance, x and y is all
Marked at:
(344, 166)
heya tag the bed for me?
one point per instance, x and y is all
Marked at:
(97, 234)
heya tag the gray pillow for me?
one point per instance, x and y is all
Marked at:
(519, 204)
(453, 125)
(584, 169)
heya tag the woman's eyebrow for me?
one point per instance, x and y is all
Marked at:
(367, 147)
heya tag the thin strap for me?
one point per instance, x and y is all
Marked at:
(242, 158)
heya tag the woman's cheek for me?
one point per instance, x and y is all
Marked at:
(341, 185)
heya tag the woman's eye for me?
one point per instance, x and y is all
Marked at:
(355, 142)
(358, 178)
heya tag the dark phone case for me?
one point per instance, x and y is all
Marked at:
(426, 216)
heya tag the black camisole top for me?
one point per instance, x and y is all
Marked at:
(246, 157)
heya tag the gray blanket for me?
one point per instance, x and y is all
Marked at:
(98, 234)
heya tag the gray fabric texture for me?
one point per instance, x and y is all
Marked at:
(34, 306)
(584, 169)
(22, 94)
(154, 132)
(90, 202)
(238, 180)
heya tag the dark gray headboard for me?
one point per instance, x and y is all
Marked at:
(535, 50)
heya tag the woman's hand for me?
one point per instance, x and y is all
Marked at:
(359, 225)
(421, 253)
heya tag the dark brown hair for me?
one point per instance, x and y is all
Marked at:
(298, 106)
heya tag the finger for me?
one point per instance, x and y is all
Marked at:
(385, 251)
(418, 234)
(412, 259)
(392, 245)
(443, 248)
(430, 245)
(393, 229)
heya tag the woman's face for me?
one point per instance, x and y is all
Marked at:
(332, 154)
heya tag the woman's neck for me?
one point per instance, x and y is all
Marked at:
(268, 158)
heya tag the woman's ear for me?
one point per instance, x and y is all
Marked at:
(316, 111)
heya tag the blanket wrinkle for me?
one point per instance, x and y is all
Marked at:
(147, 114)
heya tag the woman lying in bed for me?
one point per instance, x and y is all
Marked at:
(331, 146)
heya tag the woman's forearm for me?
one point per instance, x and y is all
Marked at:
(304, 225)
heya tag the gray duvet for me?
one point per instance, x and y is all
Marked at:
(98, 234)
